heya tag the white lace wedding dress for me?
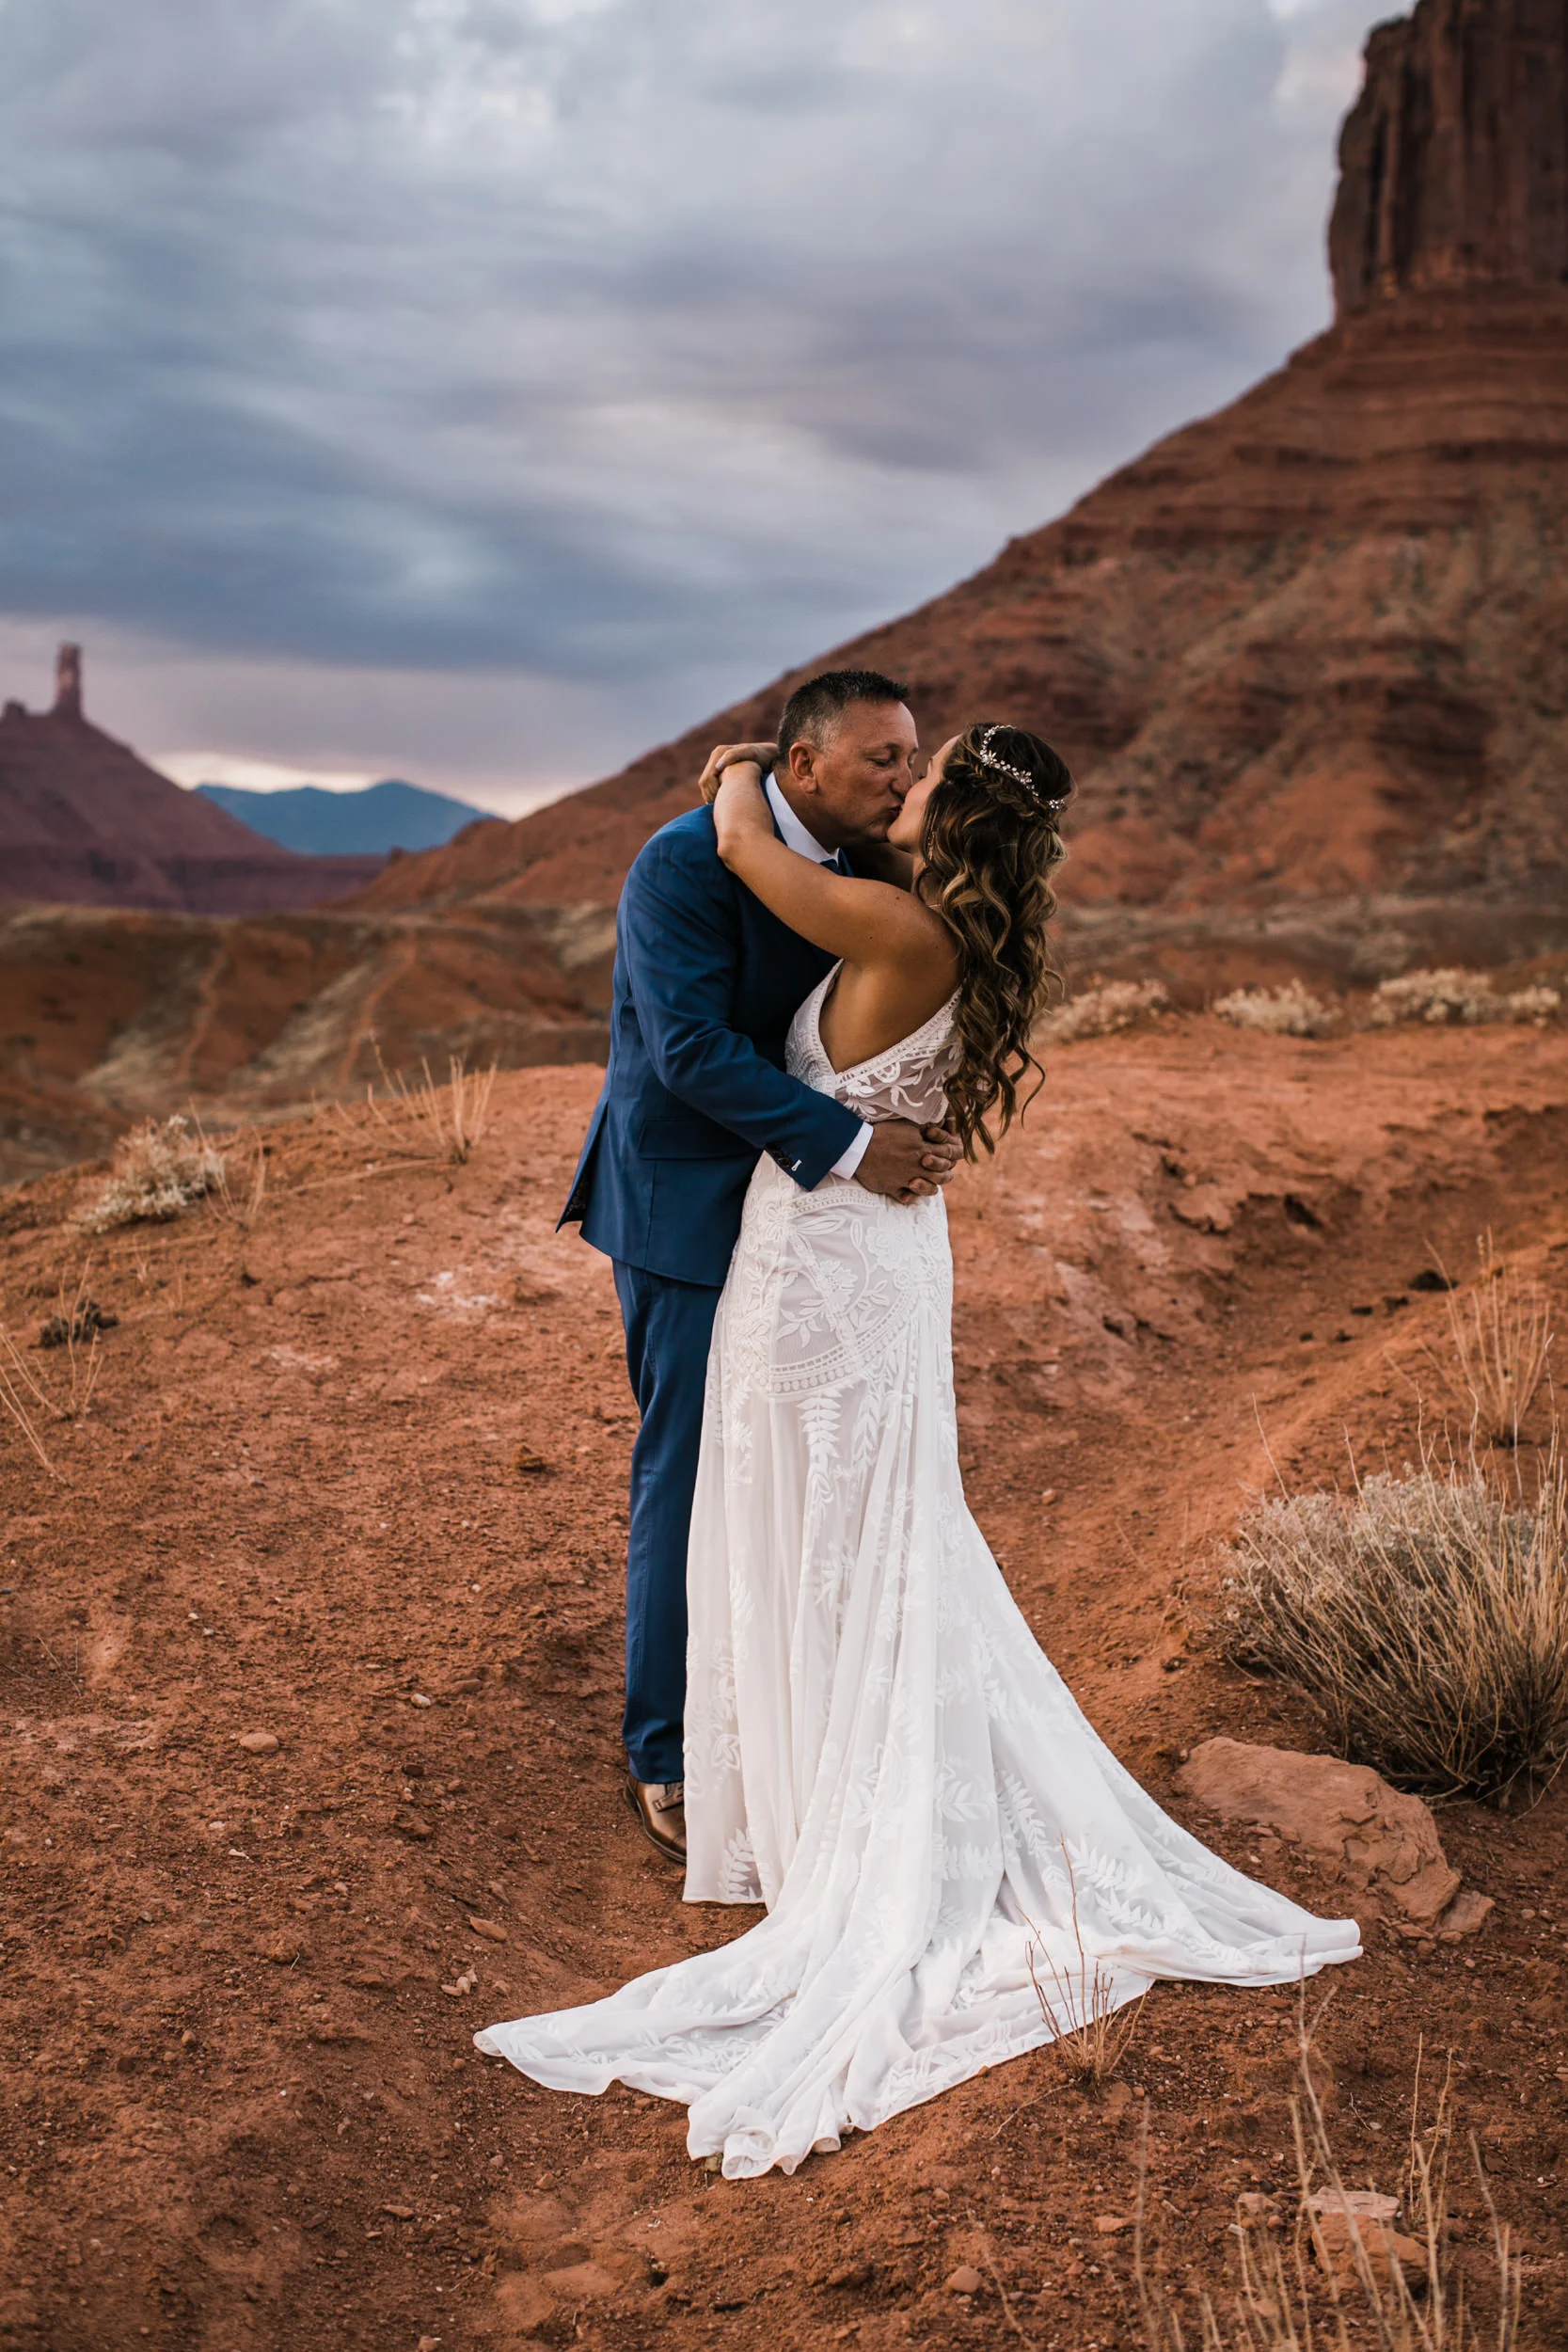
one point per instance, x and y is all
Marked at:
(876, 1746)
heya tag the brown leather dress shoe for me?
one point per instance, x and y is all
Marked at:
(658, 1807)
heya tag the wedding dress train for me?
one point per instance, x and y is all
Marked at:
(876, 1746)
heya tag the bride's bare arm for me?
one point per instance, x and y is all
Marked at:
(864, 922)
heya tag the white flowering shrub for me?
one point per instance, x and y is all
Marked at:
(1288, 1011)
(159, 1168)
(1451, 996)
(1536, 1004)
(1100, 1011)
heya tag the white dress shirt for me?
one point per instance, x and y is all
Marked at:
(795, 836)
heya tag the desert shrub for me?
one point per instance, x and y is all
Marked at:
(1451, 996)
(1288, 1011)
(159, 1168)
(1503, 1338)
(1099, 1012)
(1425, 1616)
(1535, 1003)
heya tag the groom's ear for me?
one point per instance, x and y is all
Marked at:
(800, 765)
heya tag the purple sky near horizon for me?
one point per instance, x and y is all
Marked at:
(482, 390)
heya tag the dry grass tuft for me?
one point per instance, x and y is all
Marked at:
(1091, 2032)
(159, 1168)
(1382, 2287)
(239, 1200)
(1503, 1338)
(23, 1400)
(428, 1122)
(31, 1397)
(1451, 996)
(75, 1325)
(1425, 1616)
(1288, 1011)
(1100, 1011)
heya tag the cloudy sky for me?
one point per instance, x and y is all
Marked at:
(479, 390)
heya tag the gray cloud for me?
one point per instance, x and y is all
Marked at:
(622, 354)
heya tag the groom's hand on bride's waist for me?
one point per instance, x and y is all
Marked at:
(906, 1162)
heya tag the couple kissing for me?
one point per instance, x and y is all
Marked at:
(827, 979)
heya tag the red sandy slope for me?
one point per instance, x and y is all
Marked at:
(238, 2110)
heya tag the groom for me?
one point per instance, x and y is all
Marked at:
(707, 982)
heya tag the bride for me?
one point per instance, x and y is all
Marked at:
(877, 1748)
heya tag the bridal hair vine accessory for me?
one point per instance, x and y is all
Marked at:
(988, 758)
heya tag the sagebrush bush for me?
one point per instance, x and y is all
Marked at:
(1451, 996)
(1425, 1616)
(1100, 1011)
(1537, 1003)
(1292, 1010)
(159, 1168)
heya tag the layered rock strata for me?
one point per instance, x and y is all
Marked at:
(1310, 651)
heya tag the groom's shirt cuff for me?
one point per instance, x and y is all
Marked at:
(847, 1163)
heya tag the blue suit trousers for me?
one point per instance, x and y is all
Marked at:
(669, 1325)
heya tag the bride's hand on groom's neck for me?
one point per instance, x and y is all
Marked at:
(726, 755)
(743, 820)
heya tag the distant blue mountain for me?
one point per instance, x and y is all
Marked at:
(368, 824)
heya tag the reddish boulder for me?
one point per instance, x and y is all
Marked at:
(1375, 1837)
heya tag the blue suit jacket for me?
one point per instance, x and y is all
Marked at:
(707, 982)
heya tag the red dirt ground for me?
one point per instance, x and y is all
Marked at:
(239, 2111)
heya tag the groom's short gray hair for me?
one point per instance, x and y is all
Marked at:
(811, 711)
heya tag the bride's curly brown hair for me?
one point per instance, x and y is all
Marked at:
(990, 846)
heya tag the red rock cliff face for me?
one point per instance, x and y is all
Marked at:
(1453, 161)
(1307, 651)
